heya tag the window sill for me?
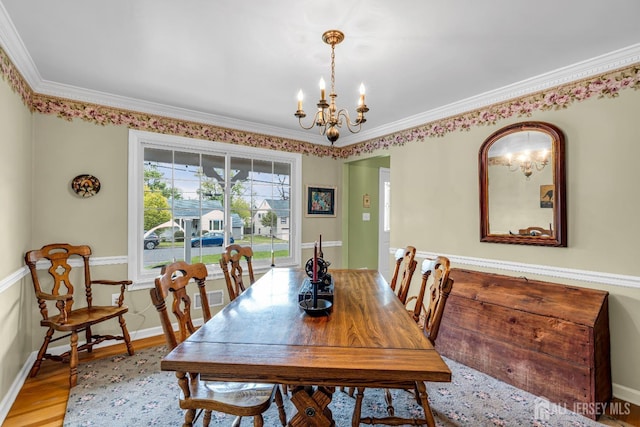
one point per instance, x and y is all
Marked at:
(148, 282)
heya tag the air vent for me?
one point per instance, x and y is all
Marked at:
(216, 298)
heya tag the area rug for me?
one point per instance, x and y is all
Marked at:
(132, 391)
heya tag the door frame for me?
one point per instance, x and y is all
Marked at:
(384, 237)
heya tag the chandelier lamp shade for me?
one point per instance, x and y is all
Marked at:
(328, 118)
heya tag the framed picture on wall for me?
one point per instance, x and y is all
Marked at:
(321, 201)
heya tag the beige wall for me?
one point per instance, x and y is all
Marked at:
(62, 151)
(16, 326)
(435, 188)
(435, 208)
(324, 171)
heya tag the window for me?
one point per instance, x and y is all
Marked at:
(198, 196)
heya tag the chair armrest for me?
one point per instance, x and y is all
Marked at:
(111, 282)
(121, 283)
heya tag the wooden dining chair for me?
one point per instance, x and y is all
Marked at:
(198, 396)
(434, 290)
(403, 272)
(54, 292)
(232, 269)
(427, 311)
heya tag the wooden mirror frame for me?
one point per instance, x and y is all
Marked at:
(559, 223)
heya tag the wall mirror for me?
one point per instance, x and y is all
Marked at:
(522, 186)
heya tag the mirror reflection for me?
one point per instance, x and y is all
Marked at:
(521, 173)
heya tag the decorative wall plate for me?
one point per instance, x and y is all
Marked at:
(85, 185)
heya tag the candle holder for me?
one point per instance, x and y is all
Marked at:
(315, 306)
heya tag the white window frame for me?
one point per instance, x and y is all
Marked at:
(138, 140)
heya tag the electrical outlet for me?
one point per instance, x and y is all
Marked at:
(114, 299)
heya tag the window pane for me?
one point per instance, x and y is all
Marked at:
(184, 203)
(261, 190)
(158, 220)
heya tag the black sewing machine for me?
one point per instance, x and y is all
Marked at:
(325, 285)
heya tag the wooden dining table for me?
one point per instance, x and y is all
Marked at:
(367, 340)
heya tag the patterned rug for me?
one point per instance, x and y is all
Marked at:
(132, 391)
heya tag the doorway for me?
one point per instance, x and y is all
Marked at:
(363, 218)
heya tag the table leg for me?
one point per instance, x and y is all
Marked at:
(312, 407)
(424, 399)
(357, 410)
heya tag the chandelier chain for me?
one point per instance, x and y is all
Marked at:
(333, 68)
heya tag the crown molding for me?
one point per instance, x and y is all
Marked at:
(602, 64)
(75, 93)
(18, 54)
(15, 49)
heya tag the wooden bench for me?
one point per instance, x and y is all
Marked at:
(549, 339)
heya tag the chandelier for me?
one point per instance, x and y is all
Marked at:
(527, 162)
(328, 118)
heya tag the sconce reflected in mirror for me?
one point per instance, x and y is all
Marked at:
(522, 186)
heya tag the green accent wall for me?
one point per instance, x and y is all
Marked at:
(363, 176)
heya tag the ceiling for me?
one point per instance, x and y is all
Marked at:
(240, 64)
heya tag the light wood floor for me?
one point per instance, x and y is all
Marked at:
(42, 402)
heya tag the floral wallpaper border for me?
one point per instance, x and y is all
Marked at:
(605, 85)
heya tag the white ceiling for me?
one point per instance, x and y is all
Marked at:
(241, 63)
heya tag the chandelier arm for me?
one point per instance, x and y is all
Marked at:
(315, 122)
(354, 127)
(540, 165)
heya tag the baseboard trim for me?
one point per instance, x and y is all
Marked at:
(627, 394)
(16, 386)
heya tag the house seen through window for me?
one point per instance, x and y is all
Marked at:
(192, 200)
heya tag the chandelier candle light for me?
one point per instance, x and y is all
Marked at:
(328, 117)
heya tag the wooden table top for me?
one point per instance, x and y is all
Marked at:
(369, 338)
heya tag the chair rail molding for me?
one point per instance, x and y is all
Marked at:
(11, 279)
(540, 270)
(516, 267)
